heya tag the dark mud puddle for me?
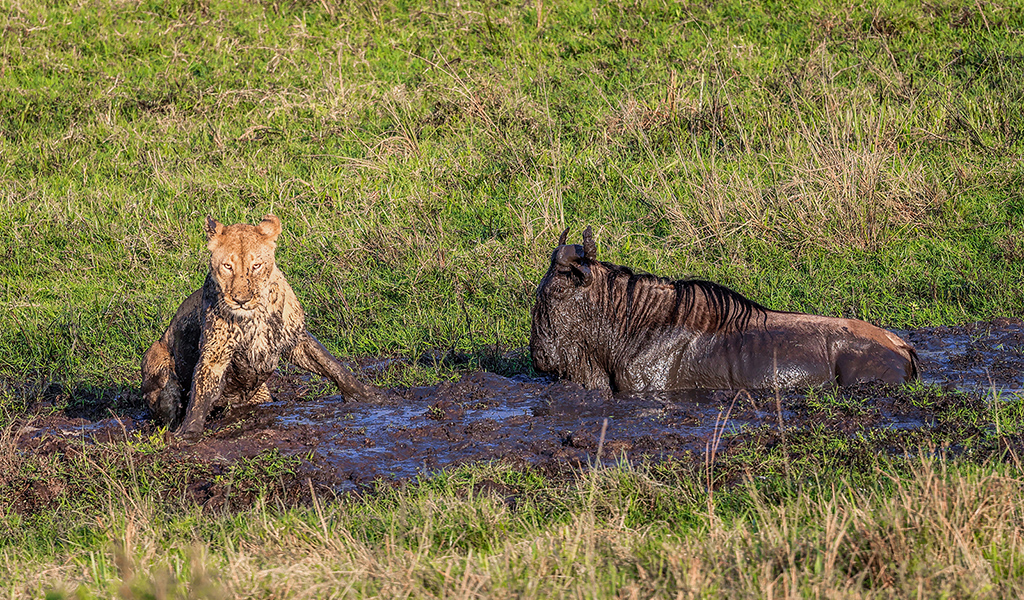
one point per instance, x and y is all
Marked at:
(979, 356)
(546, 424)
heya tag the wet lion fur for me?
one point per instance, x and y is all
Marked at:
(607, 327)
(226, 338)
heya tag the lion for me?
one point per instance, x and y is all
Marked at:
(226, 339)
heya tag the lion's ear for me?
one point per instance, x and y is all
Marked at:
(269, 227)
(213, 228)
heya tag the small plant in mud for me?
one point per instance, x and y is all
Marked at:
(153, 443)
(436, 411)
(268, 464)
(920, 394)
(260, 474)
(1006, 412)
(834, 402)
(504, 362)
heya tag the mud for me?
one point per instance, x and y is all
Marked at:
(340, 446)
(979, 356)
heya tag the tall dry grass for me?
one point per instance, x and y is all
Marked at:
(941, 530)
(819, 163)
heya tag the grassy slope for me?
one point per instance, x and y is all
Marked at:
(424, 157)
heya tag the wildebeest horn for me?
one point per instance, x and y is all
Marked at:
(561, 240)
(589, 245)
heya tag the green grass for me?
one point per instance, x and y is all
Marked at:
(898, 528)
(820, 156)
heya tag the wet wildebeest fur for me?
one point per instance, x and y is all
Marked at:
(607, 327)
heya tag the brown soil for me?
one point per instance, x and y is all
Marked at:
(553, 426)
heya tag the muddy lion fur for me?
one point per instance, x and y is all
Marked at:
(607, 327)
(226, 339)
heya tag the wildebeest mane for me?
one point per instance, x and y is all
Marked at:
(731, 310)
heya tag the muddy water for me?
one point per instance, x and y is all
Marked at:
(485, 417)
(980, 356)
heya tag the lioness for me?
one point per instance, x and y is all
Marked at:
(226, 339)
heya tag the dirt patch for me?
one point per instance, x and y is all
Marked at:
(295, 443)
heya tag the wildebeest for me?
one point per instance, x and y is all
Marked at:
(605, 326)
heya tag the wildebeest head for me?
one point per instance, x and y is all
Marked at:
(559, 313)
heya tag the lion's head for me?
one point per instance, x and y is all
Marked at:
(242, 260)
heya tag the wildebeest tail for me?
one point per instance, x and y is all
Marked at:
(908, 351)
(914, 372)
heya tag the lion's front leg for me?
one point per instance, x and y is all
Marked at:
(208, 382)
(310, 355)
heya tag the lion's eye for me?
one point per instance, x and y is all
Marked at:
(257, 266)
(226, 267)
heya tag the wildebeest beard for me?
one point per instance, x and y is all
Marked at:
(607, 327)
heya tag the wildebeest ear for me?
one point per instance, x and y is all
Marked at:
(269, 227)
(213, 228)
(589, 245)
(561, 240)
(586, 277)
